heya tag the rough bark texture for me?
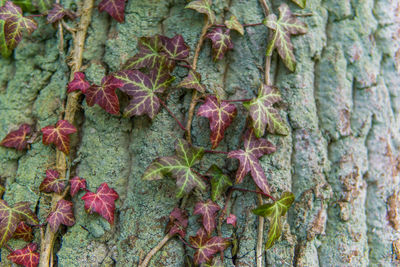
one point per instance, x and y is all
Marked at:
(341, 158)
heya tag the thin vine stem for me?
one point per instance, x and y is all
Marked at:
(154, 250)
(216, 152)
(238, 100)
(173, 115)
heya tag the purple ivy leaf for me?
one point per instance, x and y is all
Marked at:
(207, 210)
(115, 8)
(58, 13)
(193, 81)
(52, 182)
(78, 83)
(63, 214)
(221, 42)
(175, 48)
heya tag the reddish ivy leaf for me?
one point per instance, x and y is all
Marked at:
(15, 24)
(23, 232)
(220, 115)
(175, 48)
(206, 246)
(25, 256)
(102, 202)
(193, 81)
(17, 139)
(58, 13)
(115, 8)
(254, 148)
(231, 219)
(207, 210)
(178, 221)
(105, 95)
(221, 42)
(63, 214)
(52, 183)
(204, 7)
(77, 184)
(58, 135)
(78, 83)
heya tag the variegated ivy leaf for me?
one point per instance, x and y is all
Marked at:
(207, 210)
(220, 114)
(59, 12)
(283, 28)
(254, 148)
(219, 182)
(175, 48)
(234, 24)
(115, 8)
(221, 42)
(179, 167)
(193, 81)
(143, 88)
(63, 214)
(263, 113)
(300, 3)
(15, 24)
(204, 7)
(27, 256)
(18, 138)
(274, 212)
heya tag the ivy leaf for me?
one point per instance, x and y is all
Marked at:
(4, 50)
(58, 135)
(220, 115)
(254, 148)
(274, 212)
(23, 232)
(63, 214)
(52, 183)
(25, 256)
(283, 28)
(193, 81)
(102, 202)
(150, 49)
(207, 247)
(43, 5)
(78, 83)
(263, 113)
(175, 48)
(204, 7)
(207, 210)
(143, 89)
(231, 219)
(11, 216)
(178, 222)
(219, 182)
(15, 24)
(300, 3)
(17, 139)
(179, 167)
(77, 184)
(105, 95)
(58, 13)
(234, 24)
(115, 8)
(221, 42)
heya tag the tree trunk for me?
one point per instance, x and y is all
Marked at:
(341, 158)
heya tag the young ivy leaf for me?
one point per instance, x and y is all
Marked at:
(115, 8)
(10, 217)
(193, 81)
(27, 256)
(143, 89)
(231, 219)
(17, 139)
(102, 202)
(175, 48)
(263, 113)
(105, 95)
(52, 183)
(274, 212)
(58, 135)
(216, 262)
(234, 24)
(219, 182)
(207, 210)
(254, 148)
(221, 42)
(58, 13)
(300, 3)
(178, 222)
(23, 232)
(15, 24)
(206, 247)
(283, 28)
(43, 5)
(220, 115)
(179, 167)
(78, 83)
(77, 184)
(63, 214)
(204, 7)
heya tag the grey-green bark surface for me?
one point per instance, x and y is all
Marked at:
(340, 159)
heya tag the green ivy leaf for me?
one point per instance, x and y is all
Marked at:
(179, 167)
(204, 7)
(274, 212)
(193, 81)
(300, 3)
(43, 5)
(234, 24)
(263, 113)
(219, 182)
(283, 28)
(26, 5)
